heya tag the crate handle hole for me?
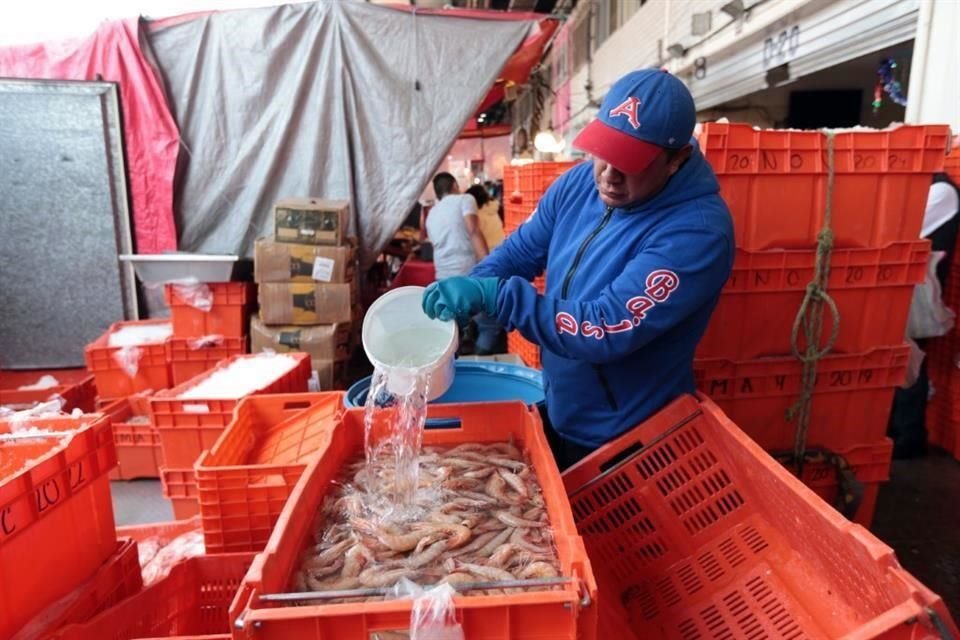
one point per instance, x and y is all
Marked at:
(621, 456)
(297, 404)
(443, 423)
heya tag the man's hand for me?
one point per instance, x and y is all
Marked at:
(460, 298)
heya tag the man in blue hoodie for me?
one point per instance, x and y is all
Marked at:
(636, 244)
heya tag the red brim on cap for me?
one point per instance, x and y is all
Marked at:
(627, 154)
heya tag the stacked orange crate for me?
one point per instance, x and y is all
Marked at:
(523, 186)
(943, 412)
(191, 424)
(56, 516)
(129, 358)
(210, 324)
(25, 389)
(775, 183)
(138, 442)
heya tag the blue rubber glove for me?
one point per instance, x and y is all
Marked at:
(460, 298)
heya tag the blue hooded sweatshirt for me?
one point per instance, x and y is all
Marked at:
(629, 294)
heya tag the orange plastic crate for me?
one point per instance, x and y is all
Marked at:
(523, 187)
(873, 289)
(775, 183)
(851, 402)
(869, 466)
(112, 381)
(532, 178)
(164, 532)
(180, 488)
(944, 425)
(244, 480)
(943, 410)
(951, 165)
(560, 614)
(189, 357)
(228, 316)
(56, 516)
(118, 578)
(137, 441)
(76, 387)
(189, 427)
(191, 602)
(695, 532)
(528, 352)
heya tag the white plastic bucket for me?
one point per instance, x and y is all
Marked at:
(401, 340)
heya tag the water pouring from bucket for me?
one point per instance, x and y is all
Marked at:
(413, 359)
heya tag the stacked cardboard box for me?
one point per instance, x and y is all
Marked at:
(308, 285)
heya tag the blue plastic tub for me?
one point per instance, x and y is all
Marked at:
(475, 382)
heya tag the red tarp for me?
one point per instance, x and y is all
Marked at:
(516, 71)
(150, 135)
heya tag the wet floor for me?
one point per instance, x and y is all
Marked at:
(918, 514)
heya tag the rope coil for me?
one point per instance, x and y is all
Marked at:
(810, 320)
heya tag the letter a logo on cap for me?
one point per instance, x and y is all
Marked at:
(629, 107)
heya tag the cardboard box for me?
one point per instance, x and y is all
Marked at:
(329, 374)
(322, 342)
(286, 303)
(311, 221)
(288, 262)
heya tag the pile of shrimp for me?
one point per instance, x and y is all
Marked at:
(482, 518)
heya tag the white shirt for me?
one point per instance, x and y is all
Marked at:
(942, 204)
(453, 253)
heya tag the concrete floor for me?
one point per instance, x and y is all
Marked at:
(917, 514)
(139, 502)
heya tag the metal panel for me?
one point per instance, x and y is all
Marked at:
(842, 31)
(63, 220)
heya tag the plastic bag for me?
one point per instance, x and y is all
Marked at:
(128, 358)
(205, 342)
(21, 420)
(188, 545)
(433, 616)
(913, 364)
(45, 382)
(929, 317)
(196, 294)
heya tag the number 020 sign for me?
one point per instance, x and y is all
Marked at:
(781, 47)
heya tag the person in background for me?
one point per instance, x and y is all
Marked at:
(453, 226)
(490, 224)
(636, 244)
(908, 418)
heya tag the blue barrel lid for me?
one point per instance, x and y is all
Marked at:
(475, 382)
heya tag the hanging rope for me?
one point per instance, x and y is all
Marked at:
(810, 320)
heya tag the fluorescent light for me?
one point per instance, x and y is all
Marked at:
(548, 142)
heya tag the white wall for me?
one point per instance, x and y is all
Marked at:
(635, 45)
(935, 76)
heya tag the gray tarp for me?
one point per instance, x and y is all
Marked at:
(334, 99)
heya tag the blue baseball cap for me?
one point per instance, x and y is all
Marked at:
(644, 112)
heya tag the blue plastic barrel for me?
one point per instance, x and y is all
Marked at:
(475, 382)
